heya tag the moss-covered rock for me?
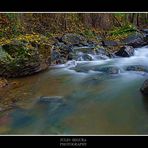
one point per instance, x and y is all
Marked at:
(20, 58)
(74, 39)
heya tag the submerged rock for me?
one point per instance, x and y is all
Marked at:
(144, 88)
(125, 51)
(101, 51)
(85, 57)
(137, 68)
(110, 70)
(50, 98)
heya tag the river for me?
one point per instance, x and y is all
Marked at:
(78, 98)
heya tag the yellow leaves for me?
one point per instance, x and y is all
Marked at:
(27, 37)
(4, 41)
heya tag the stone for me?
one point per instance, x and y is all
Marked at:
(74, 39)
(110, 70)
(125, 51)
(137, 68)
(144, 88)
(3, 82)
(51, 100)
(20, 59)
(85, 57)
(135, 40)
(109, 43)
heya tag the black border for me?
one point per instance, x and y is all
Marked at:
(73, 5)
(54, 141)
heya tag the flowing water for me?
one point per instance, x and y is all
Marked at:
(79, 98)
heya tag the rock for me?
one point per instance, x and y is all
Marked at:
(85, 57)
(93, 80)
(20, 59)
(55, 55)
(3, 82)
(135, 40)
(144, 88)
(144, 30)
(109, 43)
(137, 68)
(125, 51)
(51, 99)
(74, 39)
(81, 68)
(110, 70)
(84, 49)
(145, 33)
(86, 68)
(57, 58)
(1, 109)
(101, 52)
(71, 64)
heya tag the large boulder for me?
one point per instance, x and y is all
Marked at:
(74, 39)
(125, 51)
(20, 59)
(135, 40)
(144, 88)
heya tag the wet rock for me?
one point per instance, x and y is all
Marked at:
(110, 70)
(55, 55)
(135, 40)
(137, 68)
(74, 39)
(125, 51)
(85, 57)
(145, 33)
(82, 68)
(51, 99)
(102, 52)
(110, 43)
(84, 49)
(144, 88)
(144, 30)
(93, 80)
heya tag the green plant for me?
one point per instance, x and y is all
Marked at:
(122, 30)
